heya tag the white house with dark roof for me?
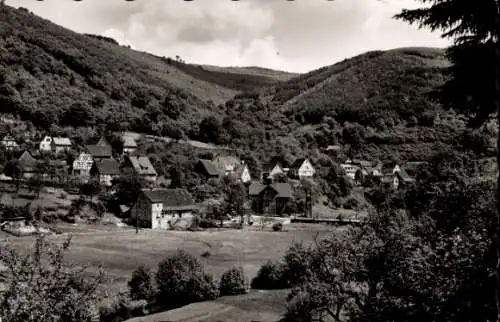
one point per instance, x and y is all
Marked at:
(46, 144)
(82, 165)
(105, 171)
(161, 208)
(302, 168)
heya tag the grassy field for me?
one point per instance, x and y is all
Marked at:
(255, 306)
(121, 250)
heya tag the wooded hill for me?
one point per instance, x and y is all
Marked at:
(376, 104)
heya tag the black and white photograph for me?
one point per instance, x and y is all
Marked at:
(249, 161)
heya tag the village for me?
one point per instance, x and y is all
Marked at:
(159, 206)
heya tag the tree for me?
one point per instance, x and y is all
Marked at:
(42, 286)
(474, 88)
(210, 129)
(12, 169)
(90, 189)
(140, 285)
(235, 198)
(181, 279)
(35, 183)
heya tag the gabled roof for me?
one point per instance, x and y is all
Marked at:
(129, 142)
(388, 167)
(223, 162)
(61, 141)
(99, 151)
(107, 166)
(283, 189)
(142, 165)
(8, 137)
(298, 163)
(403, 175)
(209, 167)
(27, 160)
(255, 188)
(333, 148)
(239, 170)
(103, 142)
(172, 199)
(270, 166)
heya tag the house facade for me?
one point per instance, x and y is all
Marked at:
(129, 145)
(350, 169)
(161, 208)
(243, 173)
(82, 165)
(271, 170)
(105, 171)
(28, 165)
(270, 199)
(302, 168)
(60, 144)
(9, 143)
(46, 144)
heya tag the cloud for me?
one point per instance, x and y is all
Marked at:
(295, 36)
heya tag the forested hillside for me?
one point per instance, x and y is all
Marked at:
(375, 105)
(51, 75)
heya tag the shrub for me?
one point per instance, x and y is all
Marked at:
(296, 264)
(233, 282)
(122, 310)
(269, 277)
(181, 280)
(140, 285)
(278, 226)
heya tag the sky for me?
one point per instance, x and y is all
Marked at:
(295, 36)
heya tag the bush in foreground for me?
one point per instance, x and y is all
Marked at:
(181, 279)
(269, 277)
(278, 226)
(140, 285)
(233, 282)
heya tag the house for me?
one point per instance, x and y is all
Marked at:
(242, 173)
(390, 168)
(60, 144)
(9, 143)
(270, 199)
(226, 164)
(302, 168)
(160, 208)
(99, 151)
(105, 170)
(129, 144)
(46, 144)
(28, 165)
(142, 167)
(207, 169)
(404, 178)
(350, 168)
(413, 167)
(270, 170)
(390, 181)
(82, 165)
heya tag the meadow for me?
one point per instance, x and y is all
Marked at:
(121, 250)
